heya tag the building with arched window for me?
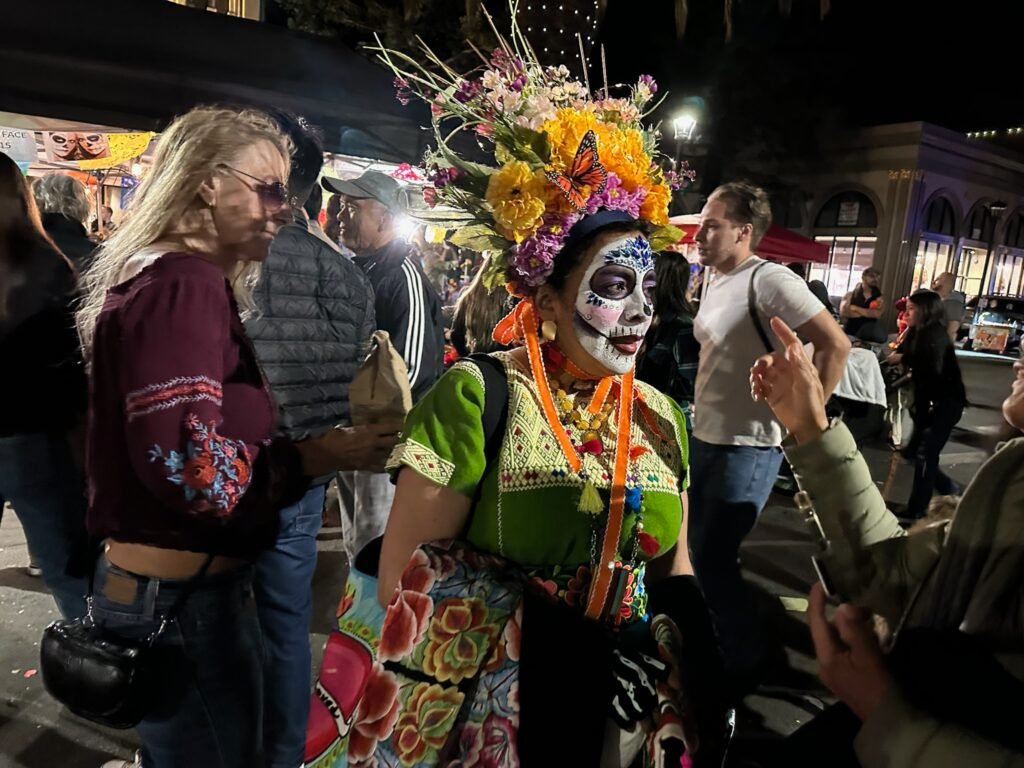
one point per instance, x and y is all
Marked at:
(847, 222)
(916, 200)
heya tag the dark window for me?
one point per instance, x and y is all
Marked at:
(1015, 232)
(939, 219)
(980, 224)
(847, 210)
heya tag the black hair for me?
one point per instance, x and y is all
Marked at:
(748, 204)
(672, 272)
(307, 154)
(798, 268)
(930, 304)
(570, 256)
(314, 203)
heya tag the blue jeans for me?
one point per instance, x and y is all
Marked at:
(729, 486)
(284, 599)
(210, 662)
(39, 478)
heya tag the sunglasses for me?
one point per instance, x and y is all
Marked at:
(273, 195)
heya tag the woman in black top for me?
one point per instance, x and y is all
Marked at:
(42, 392)
(670, 356)
(939, 397)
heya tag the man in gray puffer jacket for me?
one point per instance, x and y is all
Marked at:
(316, 316)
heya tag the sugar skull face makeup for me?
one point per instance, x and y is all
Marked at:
(615, 303)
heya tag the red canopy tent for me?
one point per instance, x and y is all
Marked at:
(778, 243)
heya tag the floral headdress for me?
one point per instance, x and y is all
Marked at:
(562, 154)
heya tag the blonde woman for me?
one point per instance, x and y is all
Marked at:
(184, 471)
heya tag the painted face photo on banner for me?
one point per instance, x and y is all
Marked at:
(65, 146)
(615, 303)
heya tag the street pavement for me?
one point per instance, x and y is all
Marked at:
(36, 732)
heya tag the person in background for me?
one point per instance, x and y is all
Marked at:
(477, 312)
(861, 308)
(735, 450)
(42, 393)
(64, 204)
(185, 473)
(939, 396)
(313, 207)
(942, 696)
(671, 353)
(453, 289)
(817, 287)
(311, 333)
(406, 306)
(103, 224)
(332, 227)
(954, 303)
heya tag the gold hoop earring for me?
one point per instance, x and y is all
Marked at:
(549, 330)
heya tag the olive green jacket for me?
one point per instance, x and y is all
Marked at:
(963, 574)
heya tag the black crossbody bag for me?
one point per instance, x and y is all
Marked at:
(100, 676)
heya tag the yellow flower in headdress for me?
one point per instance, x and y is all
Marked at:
(655, 206)
(516, 196)
(621, 150)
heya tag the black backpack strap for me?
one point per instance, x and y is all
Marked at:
(495, 414)
(752, 309)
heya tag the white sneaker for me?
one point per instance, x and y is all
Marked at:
(135, 762)
(33, 570)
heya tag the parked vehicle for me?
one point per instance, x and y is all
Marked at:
(993, 324)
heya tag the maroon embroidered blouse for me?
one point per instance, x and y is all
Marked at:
(181, 421)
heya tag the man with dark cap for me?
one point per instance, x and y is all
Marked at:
(407, 306)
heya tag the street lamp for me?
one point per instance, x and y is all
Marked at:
(684, 125)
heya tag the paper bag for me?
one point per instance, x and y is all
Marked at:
(380, 389)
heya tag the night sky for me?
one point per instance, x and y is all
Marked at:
(869, 61)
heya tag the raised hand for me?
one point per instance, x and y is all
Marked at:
(789, 383)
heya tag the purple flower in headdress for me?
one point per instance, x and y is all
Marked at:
(518, 84)
(403, 91)
(442, 177)
(467, 91)
(534, 258)
(615, 197)
(511, 65)
(649, 82)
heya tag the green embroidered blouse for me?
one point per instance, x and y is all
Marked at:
(527, 509)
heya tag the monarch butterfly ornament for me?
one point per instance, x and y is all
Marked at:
(585, 174)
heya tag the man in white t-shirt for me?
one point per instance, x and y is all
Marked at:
(735, 454)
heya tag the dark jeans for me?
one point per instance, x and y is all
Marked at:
(39, 478)
(929, 439)
(211, 684)
(729, 486)
(284, 600)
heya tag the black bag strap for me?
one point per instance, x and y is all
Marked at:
(495, 415)
(752, 309)
(494, 418)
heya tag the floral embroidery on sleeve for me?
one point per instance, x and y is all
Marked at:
(214, 471)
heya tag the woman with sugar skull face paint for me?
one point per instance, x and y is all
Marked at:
(575, 492)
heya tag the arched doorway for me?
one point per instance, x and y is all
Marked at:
(936, 249)
(972, 272)
(846, 223)
(1008, 265)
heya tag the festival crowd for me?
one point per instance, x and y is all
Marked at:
(544, 552)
